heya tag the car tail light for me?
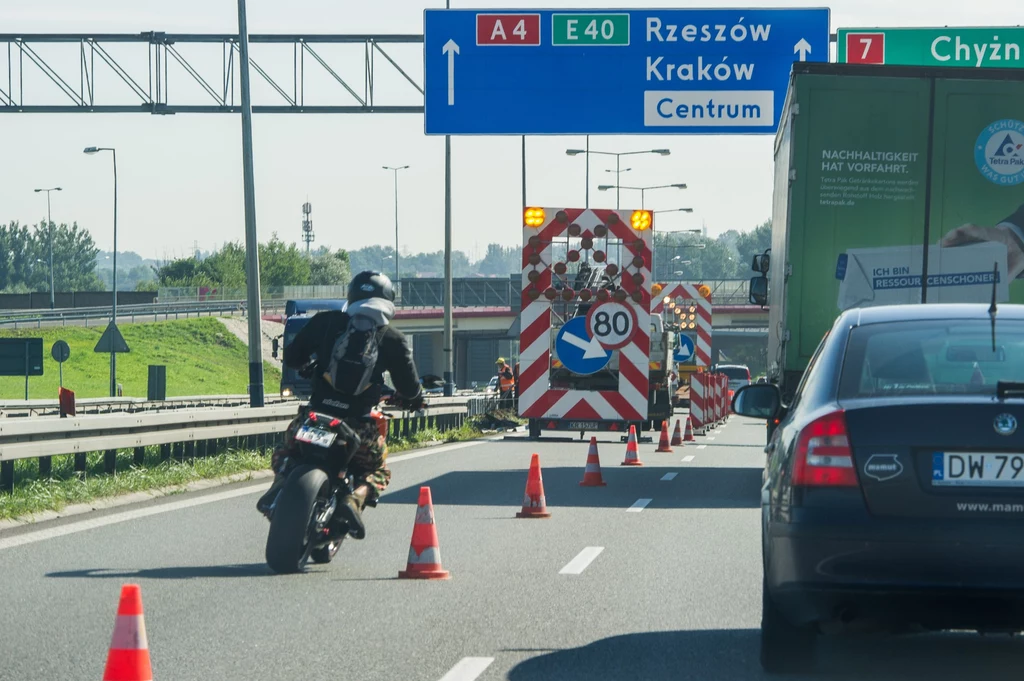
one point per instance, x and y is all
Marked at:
(823, 454)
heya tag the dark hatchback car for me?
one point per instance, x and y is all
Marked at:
(893, 496)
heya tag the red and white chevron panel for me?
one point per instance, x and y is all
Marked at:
(536, 397)
(723, 391)
(681, 294)
(698, 405)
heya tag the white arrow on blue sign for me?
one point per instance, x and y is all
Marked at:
(578, 352)
(684, 350)
(657, 71)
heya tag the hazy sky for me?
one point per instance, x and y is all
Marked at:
(180, 178)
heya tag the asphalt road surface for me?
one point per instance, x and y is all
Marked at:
(609, 588)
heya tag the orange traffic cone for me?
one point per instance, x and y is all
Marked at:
(663, 445)
(534, 503)
(128, 657)
(424, 551)
(689, 431)
(592, 473)
(677, 436)
(631, 454)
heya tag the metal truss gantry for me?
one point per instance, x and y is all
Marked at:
(34, 63)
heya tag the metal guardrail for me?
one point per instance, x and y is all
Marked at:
(156, 311)
(182, 434)
(474, 404)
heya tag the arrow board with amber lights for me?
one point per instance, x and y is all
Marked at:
(687, 307)
(586, 286)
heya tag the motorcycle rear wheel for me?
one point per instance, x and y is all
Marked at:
(288, 548)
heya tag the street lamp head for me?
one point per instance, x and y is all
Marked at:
(605, 187)
(90, 150)
(662, 152)
(37, 190)
(679, 186)
(574, 152)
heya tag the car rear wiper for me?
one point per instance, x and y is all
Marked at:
(1006, 389)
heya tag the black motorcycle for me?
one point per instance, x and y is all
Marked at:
(303, 525)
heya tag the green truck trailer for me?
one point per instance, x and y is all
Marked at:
(871, 164)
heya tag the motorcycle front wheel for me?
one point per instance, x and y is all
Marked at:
(288, 546)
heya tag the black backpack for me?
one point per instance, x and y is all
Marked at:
(350, 368)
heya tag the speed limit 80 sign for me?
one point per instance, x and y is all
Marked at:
(612, 324)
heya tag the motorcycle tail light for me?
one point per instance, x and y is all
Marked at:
(334, 423)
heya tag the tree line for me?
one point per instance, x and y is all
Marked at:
(25, 258)
(79, 266)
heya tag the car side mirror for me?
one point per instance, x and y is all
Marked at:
(275, 345)
(759, 290)
(759, 401)
(761, 263)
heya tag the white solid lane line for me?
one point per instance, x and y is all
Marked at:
(468, 669)
(688, 459)
(671, 476)
(114, 518)
(638, 505)
(578, 564)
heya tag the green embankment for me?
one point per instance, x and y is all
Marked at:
(202, 358)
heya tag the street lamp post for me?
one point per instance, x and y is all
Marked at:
(49, 232)
(643, 190)
(618, 156)
(113, 304)
(395, 171)
(643, 195)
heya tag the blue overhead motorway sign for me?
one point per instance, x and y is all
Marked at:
(660, 71)
(578, 351)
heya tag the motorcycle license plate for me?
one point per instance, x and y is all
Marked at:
(316, 436)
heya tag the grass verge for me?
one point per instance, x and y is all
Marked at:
(34, 495)
(202, 358)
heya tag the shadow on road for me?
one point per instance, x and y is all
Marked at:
(732, 655)
(183, 572)
(693, 488)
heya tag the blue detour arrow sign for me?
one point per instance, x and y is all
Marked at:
(577, 351)
(684, 349)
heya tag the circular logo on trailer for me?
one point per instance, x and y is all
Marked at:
(1005, 424)
(999, 152)
(612, 324)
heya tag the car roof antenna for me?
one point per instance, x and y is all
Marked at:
(992, 307)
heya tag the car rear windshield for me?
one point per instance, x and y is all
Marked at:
(736, 373)
(949, 357)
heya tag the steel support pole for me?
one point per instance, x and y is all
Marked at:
(449, 342)
(49, 230)
(113, 354)
(586, 195)
(252, 280)
(398, 274)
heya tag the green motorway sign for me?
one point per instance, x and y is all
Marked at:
(973, 47)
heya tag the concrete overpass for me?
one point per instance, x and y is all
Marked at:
(484, 333)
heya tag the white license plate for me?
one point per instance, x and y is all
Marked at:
(315, 436)
(583, 425)
(977, 469)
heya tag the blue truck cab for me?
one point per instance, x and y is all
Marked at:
(297, 315)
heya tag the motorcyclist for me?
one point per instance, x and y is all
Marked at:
(372, 294)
